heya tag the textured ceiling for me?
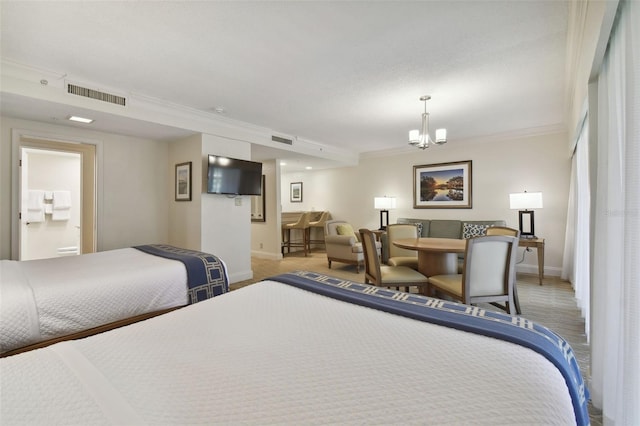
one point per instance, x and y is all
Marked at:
(348, 74)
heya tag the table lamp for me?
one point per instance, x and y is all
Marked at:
(384, 204)
(524, 201)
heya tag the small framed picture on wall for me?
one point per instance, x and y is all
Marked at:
(296, 192)
(183, 181)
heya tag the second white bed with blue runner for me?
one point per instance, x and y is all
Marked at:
(48, 299)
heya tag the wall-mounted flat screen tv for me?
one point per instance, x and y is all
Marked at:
(232, 176)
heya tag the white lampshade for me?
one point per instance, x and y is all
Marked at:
(525, 200)
(441, 136)
(414, 135)
(384, 203)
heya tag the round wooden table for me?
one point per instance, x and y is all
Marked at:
(436, 256)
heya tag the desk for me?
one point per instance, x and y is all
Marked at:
(436, 256)
(538, 243)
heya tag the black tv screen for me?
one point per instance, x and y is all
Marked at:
(232, 176)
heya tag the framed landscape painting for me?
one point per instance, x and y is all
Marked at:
(442, 186)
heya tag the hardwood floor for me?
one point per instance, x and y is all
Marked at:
(552, 305)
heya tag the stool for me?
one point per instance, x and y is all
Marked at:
(319, 224)
(303, 225)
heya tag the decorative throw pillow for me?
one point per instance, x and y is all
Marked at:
(419, 226)
(470, 230)
(345, 229)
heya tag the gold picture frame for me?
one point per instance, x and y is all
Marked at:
(442, 186)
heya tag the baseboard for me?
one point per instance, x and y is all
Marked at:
(532, 269)
(266, 255)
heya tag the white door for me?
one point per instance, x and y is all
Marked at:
(50, 179)
(57, 199)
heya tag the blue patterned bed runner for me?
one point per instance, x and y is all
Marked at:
(462, 317)
(206, 275)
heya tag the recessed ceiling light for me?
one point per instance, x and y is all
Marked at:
(219, 109)
(80, 119)
(282, 163)
(308, 167)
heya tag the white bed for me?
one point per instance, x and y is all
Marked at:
(272, 353)
(45, 299)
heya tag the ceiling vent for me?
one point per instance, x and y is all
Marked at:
(281, 140)
(96, 94)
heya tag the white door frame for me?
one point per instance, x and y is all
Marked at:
(24, 138)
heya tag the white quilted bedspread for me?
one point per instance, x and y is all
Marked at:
(274, 354)
(47, 298)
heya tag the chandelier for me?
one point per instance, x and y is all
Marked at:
(420, 138)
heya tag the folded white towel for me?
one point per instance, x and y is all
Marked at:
(35, 206)
(61, 214)
(48, 208)
(36, 199)
(48, 195)
(61, 205)
(61, 200)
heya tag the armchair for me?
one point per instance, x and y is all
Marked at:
(343, 244)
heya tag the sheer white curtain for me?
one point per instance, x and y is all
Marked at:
(615, 328)
(568, 256)
(575, 266)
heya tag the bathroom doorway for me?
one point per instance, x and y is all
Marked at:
(57, 199)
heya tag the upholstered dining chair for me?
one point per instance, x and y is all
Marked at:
(503, 230)
(385, 275)
(487, 276)
(303, 225)
(399, 256)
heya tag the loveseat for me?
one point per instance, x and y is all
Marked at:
(444, 228)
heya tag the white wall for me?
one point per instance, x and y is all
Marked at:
(537, 163)
(184, 216)
(134, 202)
(132, 179)
(225, 221)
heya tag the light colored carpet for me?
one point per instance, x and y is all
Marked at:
(552, 304)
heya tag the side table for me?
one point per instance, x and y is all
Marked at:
(538, 243)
